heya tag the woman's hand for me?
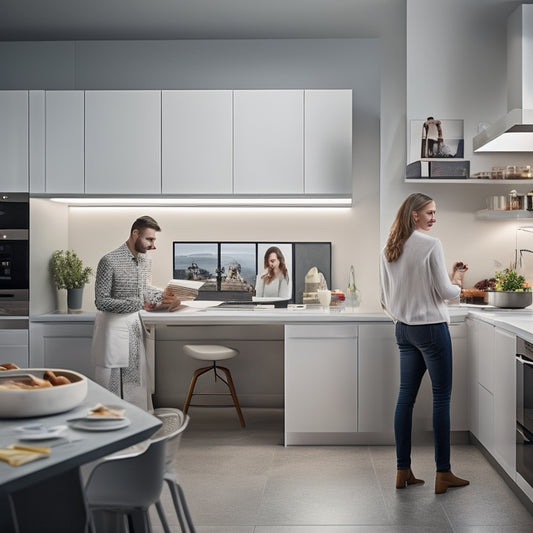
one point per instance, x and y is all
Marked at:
(458, 271)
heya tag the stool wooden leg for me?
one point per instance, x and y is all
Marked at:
(195, 376)
(233, 393)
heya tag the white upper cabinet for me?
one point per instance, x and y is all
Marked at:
(328, 141)
(185, 142)
(269, 140)
(36, 141)
(197, 142)
(64, 152)
(14, 141)
(123, 142)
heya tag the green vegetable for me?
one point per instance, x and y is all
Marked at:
(510, 281)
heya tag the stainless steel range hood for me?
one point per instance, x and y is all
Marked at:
(514, 131)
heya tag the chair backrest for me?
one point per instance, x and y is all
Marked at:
(131, 482)
(175, 422)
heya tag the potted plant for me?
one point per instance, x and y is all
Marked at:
(510, 290)
(68, 273)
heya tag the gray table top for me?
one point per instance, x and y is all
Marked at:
(84, 446)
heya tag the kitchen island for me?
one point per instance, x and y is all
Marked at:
(334, 372)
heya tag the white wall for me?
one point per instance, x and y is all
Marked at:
(49, 232)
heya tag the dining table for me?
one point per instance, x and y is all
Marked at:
(47, 494)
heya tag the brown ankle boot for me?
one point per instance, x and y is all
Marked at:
(406, 477)
(444, 480)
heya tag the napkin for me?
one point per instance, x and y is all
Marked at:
(19, 454)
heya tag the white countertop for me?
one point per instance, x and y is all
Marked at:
(227, 315)
(516, 321)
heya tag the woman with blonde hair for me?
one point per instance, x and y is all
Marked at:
(415, 288)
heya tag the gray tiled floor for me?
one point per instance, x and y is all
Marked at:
(244, 481)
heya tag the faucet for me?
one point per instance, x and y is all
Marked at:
(522, 250)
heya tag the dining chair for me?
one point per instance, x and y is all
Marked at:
(175, 422)
(124, 485)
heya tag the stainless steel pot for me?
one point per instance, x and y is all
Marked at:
(497, 203)
(509, 299)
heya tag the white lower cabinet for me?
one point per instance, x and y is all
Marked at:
(320, 380)
(62, 345)
(14, 347)
(480, 347)
(505, 401)
(493, 380)
(486, 417)
(379, 369)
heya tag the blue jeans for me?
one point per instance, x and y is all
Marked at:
(424, 347)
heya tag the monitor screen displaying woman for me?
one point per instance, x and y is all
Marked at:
(274, 267)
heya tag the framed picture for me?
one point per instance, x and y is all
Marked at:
(237, 266)
(196, 261)
(284, 253)
(435, 138)
(306, 256)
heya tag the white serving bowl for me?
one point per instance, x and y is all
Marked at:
(25, 403)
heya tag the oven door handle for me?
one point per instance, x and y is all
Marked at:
(522, 434)
(521, 358)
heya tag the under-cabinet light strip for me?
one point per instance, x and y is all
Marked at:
(208, 202)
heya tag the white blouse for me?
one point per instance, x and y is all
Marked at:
(415, 288)
(278, 288)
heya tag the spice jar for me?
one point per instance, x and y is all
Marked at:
(513, 201)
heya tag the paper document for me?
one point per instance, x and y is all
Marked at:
(186, 283)
(184, 289)
(200, 304)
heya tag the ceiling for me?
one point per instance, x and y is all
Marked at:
(56, 20)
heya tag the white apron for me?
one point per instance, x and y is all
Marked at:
(119, 359)
(111, 339)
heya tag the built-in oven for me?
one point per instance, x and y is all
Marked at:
(524, 409)
(14, 254)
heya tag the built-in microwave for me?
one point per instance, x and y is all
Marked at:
(524, 410)
(14, 254)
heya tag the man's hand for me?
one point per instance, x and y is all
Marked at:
(170, 299)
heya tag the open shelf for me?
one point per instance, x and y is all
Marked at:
(489, 214)
(470, 181)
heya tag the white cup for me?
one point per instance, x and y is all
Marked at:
(324, 297)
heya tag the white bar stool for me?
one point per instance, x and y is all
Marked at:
(212, 352)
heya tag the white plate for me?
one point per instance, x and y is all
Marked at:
(98, 425)
(40, 432)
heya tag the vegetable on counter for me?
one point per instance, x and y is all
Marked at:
(509, 281)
